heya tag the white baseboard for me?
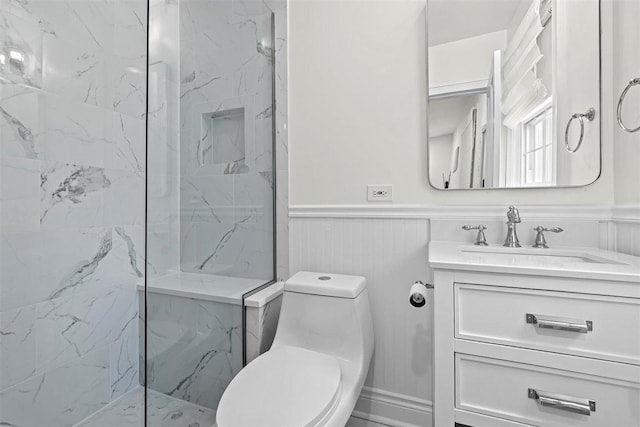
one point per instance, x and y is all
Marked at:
(392, 409)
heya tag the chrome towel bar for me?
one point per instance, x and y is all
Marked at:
(632, 83)
(590, 114)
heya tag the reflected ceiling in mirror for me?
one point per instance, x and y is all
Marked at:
(514, 93)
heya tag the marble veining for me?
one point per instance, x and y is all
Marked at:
(261, 324)
(72, 143)
(162, 411)
(226, 68)
(73, 188)
(85, 268)
(22, 132)
(194, 347)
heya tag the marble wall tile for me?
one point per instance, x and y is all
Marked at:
(261, 324)
(123, 358)
(17, 345)
(207, 198)
(95, 52)
(226, 63)
(252, 332)
(269, 322)
(194, 347)
(21, 33)
(42, 126)
(72, 144)
(163, 253)
(72, 196)
(69, 328)
(19, 122)
(60, 397)
(55, 264)
(20, 206)
(49, 264)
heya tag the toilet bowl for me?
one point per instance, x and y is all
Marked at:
(317, 364)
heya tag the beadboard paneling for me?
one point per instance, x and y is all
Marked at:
(391, 254)
(626, 225)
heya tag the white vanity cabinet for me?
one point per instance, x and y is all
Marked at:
(524, 337)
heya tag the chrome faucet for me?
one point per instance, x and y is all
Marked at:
(513, 218)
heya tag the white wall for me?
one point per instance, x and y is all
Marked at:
(626, 60)
(358, 108)
(576, 73)
(357, 105)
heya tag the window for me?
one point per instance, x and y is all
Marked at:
(537, 150)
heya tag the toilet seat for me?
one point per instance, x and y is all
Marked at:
(285, 387)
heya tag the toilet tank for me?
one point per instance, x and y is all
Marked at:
(329, 313)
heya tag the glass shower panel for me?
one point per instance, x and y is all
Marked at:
(210, 196)
(72, 192)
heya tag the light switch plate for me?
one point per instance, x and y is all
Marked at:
(380, 193)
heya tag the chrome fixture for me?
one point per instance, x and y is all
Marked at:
(633, 82)
(563, 402)
(559, 323)
(590, 114)
(513, 218)
(481, 240)
(541, 242)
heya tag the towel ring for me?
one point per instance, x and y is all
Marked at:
(590, 114)
(632, 83)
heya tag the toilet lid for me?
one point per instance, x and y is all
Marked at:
(284, 387)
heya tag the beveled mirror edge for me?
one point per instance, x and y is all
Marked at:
(598, 117)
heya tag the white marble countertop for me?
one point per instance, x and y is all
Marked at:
(589, 263)
(208, 287)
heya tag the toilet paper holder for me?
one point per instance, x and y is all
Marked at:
(417, 294)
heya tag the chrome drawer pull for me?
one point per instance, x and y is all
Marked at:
(565, 403)
(559, 323)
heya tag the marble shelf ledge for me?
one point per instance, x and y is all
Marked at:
(265, 296)
(209, 287)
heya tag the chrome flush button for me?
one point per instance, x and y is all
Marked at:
(324, 278)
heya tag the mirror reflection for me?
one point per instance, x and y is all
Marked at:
(514, 93)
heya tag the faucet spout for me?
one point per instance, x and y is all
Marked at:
(513, 218)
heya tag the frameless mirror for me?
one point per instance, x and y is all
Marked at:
(514, 93)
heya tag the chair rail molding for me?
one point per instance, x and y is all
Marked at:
(598, 212)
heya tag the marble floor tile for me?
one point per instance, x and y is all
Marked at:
(164, 411)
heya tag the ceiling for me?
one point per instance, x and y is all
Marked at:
(445, 114)
(472, 18)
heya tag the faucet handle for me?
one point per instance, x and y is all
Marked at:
(481, 240)
(541, 242)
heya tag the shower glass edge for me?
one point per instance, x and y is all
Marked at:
(210, 198)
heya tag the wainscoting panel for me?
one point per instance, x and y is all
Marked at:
(391, 254)
(388, 245)
(626, 223)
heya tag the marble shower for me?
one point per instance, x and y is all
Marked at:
(72, 133)
(112, 154)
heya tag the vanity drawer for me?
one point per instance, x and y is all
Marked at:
(545, 396)
(578, 324)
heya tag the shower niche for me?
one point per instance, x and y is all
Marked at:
(223, 138)
(225, 135)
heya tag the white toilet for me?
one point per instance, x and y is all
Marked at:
(315, 369)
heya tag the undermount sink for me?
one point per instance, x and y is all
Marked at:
(572, 256)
